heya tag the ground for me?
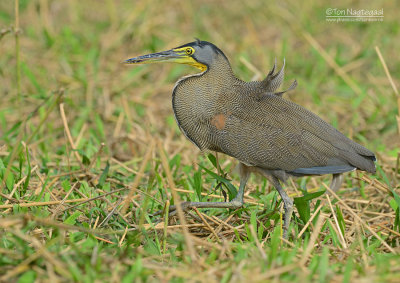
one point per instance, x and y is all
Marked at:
(89, 148)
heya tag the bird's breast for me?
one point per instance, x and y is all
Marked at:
(194, 105)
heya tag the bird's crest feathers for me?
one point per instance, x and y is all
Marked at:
(274, 80)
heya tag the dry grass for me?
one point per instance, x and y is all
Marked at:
(89, 148)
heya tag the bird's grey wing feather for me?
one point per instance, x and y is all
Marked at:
(322, 170)
(277, 134)
(267, 146)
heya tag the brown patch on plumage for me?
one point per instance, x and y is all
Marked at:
(219, 121)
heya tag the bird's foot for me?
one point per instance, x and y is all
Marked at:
(233, 204)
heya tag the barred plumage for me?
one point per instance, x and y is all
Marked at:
(253, 123)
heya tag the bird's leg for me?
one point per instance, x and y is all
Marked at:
(244, 176)
(287, 205)
(237, 202)
(337, 180)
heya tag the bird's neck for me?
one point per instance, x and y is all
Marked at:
(221, 70)
(195, 100)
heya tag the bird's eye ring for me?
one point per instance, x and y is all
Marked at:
(189, 51)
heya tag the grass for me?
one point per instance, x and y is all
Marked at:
(89, 149)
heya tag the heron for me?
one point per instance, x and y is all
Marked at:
(253, 123)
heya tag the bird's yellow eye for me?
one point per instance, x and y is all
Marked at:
(189, 51)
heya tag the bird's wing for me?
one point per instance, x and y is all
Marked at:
(277, 134)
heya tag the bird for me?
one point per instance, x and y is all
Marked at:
(253, 123)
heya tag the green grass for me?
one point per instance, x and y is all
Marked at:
(62, 198)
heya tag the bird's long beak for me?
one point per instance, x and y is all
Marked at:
(169, 55)
(177, 55)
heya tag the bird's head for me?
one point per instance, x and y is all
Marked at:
(200, 54)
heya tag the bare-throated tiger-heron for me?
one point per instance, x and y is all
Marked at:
(251, 122)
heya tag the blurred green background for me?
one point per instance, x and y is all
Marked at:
(70, 52)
